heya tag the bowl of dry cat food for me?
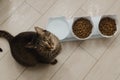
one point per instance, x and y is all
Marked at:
(107, 26)
(82, 28)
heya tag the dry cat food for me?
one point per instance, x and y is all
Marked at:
(82, 28)
(107, 26)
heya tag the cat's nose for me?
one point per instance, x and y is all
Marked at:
(51, 48)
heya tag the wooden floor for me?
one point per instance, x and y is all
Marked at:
(97, 59)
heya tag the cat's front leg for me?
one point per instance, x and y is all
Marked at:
(54, 61)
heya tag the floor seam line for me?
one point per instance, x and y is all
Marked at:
(98, 60)
(88, 53)
(21, 73)
(63, 63)
(43, 14)
(13, 12)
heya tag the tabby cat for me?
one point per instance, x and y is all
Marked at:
(31, 48)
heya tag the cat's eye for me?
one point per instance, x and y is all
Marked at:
(45, 30)
(49, 42)
(44, 39)
(37, 43)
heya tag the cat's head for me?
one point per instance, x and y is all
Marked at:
(45, 41)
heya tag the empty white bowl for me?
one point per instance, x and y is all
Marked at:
(59, 27)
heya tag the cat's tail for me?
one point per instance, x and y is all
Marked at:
(6, 35)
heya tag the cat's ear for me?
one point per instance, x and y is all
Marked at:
(30, 45)
(39, 30)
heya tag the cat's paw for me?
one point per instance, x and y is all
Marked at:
(54, 62)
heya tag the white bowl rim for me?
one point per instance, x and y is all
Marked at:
(62, 18)
(88, 18)
(112, 17)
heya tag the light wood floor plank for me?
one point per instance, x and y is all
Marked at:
(7, 7)
(76, 66)
(41, 5)
(114, 9)
(21, 20)
(97, 7)
(108, 67)
(61, 8)
(9, 69)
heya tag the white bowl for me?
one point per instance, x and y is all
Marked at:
(59, 27)
(87, 17)
(113, 17)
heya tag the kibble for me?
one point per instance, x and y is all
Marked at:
(107, 26)
(82, 28)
